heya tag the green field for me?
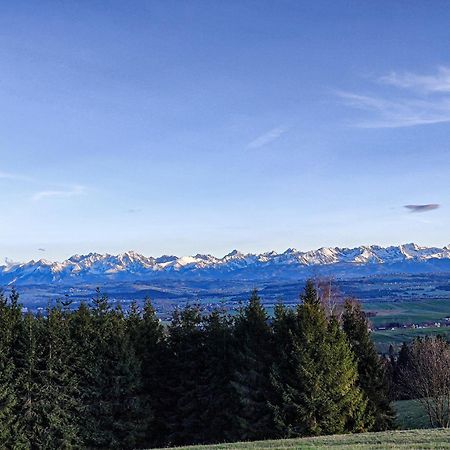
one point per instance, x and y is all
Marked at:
(417, 311)
(401, 439)
(410, 415)
(384, 338)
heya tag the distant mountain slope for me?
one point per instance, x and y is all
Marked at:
(291, 264)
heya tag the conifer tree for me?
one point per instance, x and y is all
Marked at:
(148, 339)
(400, 367)
(284, 375)
(28, 359)
(251, 379)
(315, 375)
(86, 368)
(8, 325)
(371, 370)
(187, 363)
(110, 377)
(217, 395)
(118, 410)
(60, 403)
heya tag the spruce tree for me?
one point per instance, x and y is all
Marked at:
(118, 409)
(286, 385)
(315, 373)
(28, 359)
(251, 379)
(219, 402)
(60, 403)
(8, 325)
(400, 367)
(371, 370)
(148, 338)
(187, 363)
(110, 377)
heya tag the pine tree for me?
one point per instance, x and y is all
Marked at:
(217, 395)
(30, 426)
(371, 370)
(60, 403)
(187, 363)
(46, 389)
(284, 374)
(10, 314)
(400, 367)
(83, 336)
(315, 373)
(110, 377)
(251, 379)
(118, 409)
(148, 339)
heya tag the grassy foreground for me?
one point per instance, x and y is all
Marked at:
(401, 439)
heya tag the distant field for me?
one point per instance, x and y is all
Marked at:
(402, 439)
(414, 311)
(384, 338)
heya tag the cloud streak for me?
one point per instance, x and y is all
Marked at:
(267, 138)
(61, 193)
(427, 102)
(438, 82)
(422, 208)
(13, 176)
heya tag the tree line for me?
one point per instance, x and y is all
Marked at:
(104, 377)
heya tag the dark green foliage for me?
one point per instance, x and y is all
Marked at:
(147, 336)
(251, 379)
(187, 363)
(314, 373)
(371, 370)
(114, 382)
(219, 400)
(100, 377)
(398, 367)
(10, 316)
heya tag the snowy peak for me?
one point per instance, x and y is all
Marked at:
(132, 266)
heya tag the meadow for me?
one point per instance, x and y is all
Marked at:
(407, 311)
(399, 439)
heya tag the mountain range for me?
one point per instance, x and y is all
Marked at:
(289, 265)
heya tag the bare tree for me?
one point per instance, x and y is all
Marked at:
(330, 297)
(427, 378)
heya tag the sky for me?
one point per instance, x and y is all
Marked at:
(184, 127)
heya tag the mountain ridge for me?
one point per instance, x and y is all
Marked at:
(292, 263)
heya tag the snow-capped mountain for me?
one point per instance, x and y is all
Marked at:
(291, 264)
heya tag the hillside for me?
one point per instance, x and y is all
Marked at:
(402, 439)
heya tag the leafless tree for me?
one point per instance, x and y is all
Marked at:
(330, 297)
(427, 378)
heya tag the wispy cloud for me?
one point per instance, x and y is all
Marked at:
(419, 107)
(60, 193)
(13, 176)
(268, 137)
(438, 82)
(422, 208)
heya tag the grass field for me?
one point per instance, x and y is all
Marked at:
(417, 311)
(396, 337)
(401, 439)
(411, 415)
(411, 419)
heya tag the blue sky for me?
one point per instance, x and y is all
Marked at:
(201, 126)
